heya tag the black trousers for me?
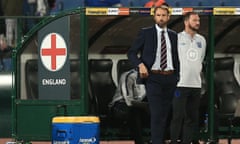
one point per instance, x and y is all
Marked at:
(185, 118)
(160, 91)
(135, 116)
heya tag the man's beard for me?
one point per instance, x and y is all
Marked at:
(193, 28)
(162, 24)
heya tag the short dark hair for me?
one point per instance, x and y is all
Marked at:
(188, 14)
(164, 6)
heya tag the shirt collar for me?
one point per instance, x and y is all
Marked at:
(189, 36)
(160, 29)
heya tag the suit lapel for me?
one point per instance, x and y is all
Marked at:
(154, 38)
(171, 40)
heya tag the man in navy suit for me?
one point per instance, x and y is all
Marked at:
(160, 81)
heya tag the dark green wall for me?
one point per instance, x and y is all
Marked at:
(5, 113)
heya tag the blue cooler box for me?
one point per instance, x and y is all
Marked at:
(75, 130)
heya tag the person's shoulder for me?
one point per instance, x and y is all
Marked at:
(182, 34)
(148, 28)
(201, 37)
(172, 31)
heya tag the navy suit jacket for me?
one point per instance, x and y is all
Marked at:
(146, 44)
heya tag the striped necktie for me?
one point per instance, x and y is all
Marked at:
(163, 63)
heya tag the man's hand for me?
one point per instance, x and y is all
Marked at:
(143, 70)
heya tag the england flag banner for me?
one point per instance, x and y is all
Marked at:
(53, 62)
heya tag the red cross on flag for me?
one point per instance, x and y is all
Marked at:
(53, 52)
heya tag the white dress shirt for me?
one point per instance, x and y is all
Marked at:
(156, 65)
